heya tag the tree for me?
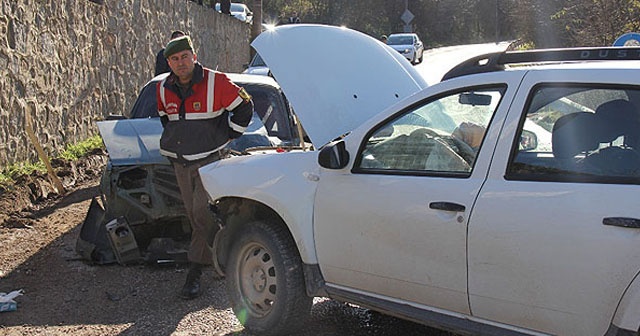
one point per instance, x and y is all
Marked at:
(532, 22)
(539, 23)
(598, 22)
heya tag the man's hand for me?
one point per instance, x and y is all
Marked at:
(470, 133)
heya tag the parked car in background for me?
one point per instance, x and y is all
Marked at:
(240, 11)
(257, 67)
(138, 185)
(408, 44)
(500, 201)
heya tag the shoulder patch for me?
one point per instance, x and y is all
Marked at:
(244, 95)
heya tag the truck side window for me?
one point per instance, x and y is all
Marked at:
(579, 134)
(437, 136)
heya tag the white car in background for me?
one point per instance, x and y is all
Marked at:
(500, 201)
(240, 11)
(408, 44)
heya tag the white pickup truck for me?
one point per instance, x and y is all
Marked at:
(502, 200)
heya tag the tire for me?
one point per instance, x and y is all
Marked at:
(265, 281)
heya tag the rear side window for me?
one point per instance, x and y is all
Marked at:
(579, 134)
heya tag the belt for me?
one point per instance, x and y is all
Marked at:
(214, 156)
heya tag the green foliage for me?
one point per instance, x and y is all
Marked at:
(5, 181)
(9, 174)
(76, 151)
(598, 22)
(526, 46)
(544, 23)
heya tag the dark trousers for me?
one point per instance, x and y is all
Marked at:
(225, 6)
(203, 226)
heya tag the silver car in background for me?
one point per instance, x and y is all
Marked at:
(409, 45)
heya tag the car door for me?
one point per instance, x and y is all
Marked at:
(396, 223)
(553, 239)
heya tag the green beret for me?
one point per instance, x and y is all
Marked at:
(178, 44)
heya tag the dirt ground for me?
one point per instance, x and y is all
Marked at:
(63, 295)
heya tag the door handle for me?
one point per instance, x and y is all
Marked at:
(447, 206)
(622, 221)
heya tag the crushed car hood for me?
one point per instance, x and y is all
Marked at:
(335, 78)
(132, 141)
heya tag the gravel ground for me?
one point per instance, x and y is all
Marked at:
(63, 295)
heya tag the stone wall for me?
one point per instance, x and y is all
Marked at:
(69, 63)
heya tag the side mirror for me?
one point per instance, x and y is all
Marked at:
(528, 141)
(334, 156)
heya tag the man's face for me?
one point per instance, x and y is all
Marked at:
(182, 64)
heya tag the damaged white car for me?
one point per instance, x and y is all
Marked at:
(499, 201)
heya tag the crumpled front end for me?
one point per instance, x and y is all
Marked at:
(148, 199)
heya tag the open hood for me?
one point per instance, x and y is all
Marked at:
(335, 78)
(132, 141)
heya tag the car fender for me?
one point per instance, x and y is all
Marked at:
(285, 182)
(627, 314)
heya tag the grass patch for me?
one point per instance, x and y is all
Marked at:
(72, 152)
(76, 151)
(11, 173)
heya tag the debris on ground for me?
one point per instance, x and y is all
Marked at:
(7, 302)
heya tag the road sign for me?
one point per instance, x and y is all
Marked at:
(407, 16)
(627, 40)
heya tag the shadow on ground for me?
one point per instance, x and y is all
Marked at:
(65, 295)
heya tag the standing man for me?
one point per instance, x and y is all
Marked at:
(201, 111)
(161, 62)
(225, 6)
(294, 18)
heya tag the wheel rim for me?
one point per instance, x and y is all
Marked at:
(257, 277)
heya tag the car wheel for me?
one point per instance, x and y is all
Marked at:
(265, 280)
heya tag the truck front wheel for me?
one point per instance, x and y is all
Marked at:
(265, 280)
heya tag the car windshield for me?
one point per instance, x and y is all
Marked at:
(400, 39)
(235, 7)
(271, 110)
(257, 61)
